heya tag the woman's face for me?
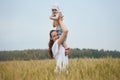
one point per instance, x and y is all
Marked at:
(54, 36)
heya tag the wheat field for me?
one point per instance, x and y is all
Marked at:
(79, 69)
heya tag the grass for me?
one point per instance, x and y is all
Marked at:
(79, 69)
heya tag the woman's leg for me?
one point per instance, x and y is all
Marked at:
(65, 62)
(58, 65)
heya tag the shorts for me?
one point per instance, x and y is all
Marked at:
(59, 30)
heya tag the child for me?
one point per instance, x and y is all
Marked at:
(55, 16)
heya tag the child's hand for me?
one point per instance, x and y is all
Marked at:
(51, 17)
(54, 18)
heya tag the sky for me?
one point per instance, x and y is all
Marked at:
(93, 24)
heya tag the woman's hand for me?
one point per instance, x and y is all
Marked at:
(60, 15)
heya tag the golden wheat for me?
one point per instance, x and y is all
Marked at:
(79, 69)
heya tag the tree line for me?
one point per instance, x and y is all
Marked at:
(37, 54)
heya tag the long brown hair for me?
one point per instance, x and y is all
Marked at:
(50, 44)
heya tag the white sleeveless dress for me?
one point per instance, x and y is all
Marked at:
(59, 55)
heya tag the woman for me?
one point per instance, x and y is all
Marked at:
(56, 49)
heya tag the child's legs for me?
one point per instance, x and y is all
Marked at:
(65, 45)
(59, 30)
(67, 50)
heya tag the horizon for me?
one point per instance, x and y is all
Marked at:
(71, 48)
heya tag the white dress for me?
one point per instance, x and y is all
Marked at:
(59, 55)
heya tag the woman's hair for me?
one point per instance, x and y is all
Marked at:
(50, 44)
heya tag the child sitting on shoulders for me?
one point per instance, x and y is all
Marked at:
(56, 14)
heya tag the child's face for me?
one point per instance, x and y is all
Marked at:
(54, 11)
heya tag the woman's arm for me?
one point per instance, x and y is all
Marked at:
(64, 33)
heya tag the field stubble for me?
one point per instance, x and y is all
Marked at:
(79, 69)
